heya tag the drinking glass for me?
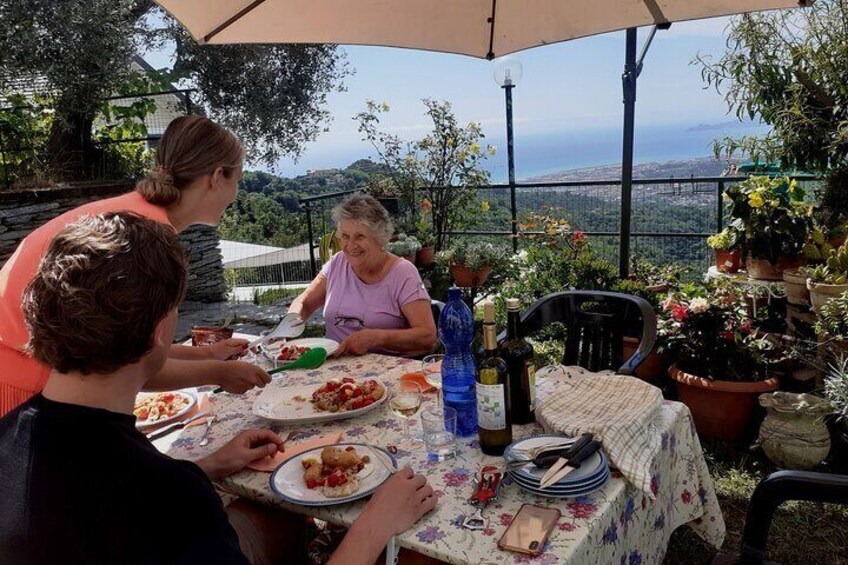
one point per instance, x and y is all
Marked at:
(439, 426)
(431, 366)
(405, 403)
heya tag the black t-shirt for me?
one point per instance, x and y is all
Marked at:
(82, 485)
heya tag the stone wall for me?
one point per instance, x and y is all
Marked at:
(22, 212)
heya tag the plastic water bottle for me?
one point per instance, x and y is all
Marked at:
(456, 331)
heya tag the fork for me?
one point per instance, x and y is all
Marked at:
(204, 439)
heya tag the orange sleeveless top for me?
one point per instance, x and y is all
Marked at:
(21, 376)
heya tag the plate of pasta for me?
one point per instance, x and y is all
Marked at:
(156, 408)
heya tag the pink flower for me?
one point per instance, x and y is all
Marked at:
(506, 519)
(566, 527)
(679, 312)
(686, 497)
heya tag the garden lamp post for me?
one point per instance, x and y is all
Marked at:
(507, 73)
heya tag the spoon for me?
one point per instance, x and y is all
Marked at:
(291, 325)
(311, 359)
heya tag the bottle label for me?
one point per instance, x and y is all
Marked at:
(491, 407)
(531, 383)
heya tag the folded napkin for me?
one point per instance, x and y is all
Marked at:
(268, 464)
(620, 411)
(419, 379)
(203, 407)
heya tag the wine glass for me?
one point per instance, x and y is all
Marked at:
(405, 403)
(431, 366)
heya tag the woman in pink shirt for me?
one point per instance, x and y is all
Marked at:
(373, 300)
(198, 165)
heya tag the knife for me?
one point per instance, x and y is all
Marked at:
(162, 432)
(558, 457)
(565, 466)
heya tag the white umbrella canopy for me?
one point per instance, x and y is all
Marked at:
(479, 28)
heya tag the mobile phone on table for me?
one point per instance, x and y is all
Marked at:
(529, 530)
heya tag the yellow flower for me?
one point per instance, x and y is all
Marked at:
(492, 149)
(475, 148)
(756, 200)
(385, 106)
(485, 205)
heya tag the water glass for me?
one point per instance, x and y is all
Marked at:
(439, 433)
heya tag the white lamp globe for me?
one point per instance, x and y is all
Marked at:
(507, 71)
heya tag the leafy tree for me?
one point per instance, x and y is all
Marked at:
(447, 163)
(789, 69)
(272, 96)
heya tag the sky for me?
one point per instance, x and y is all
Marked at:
(566, 89)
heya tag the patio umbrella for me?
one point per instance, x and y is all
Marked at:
(478, 28)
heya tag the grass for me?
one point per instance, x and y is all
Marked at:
(272, 296)
(801, 532)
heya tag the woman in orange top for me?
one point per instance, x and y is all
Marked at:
(198, 166)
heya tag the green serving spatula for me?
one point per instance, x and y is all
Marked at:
(311, 359)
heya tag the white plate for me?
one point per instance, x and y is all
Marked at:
(278, 402)
(271, 351)
(192, 400)
(588, 470)
(287, 479)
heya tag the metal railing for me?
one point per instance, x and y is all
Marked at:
(670, 217)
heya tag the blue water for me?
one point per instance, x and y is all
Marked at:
(542, 154)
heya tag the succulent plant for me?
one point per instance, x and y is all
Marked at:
(834, 270)
(404, 246)
(836, 387)
(833, 318)
(817, 248)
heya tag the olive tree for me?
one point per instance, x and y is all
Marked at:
(80, 52)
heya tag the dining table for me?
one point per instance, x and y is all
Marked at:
(617, 524)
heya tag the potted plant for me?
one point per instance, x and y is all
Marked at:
(424, 233)
(832, 323)
(836, 391)
(829, 279)
(776, 222)
(470, 264)
(726, 245)
(405, 246)
(720, 364)
(387, 193)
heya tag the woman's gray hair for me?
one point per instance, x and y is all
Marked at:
(367, 211)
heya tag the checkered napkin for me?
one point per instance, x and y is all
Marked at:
(622, 412)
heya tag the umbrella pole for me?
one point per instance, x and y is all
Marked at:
(632, 69)
(628, 83)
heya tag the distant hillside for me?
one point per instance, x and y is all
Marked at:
(698, 167)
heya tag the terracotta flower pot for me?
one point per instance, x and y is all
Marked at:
(837, 242)
(426, 255)
(466, 278)
(763, 269)
(722, 410)
(410, 258)
(796, 287)
(728, 261)
(651, 368)
(821, 292)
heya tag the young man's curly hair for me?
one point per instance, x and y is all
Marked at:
(102, 287)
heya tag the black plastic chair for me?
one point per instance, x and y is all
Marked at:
(596, 322)
(436, 306)
(773, 491)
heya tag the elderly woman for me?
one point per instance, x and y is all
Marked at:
(373, 300)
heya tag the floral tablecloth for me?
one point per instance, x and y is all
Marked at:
(617, 524)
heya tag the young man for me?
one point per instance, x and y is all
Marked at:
(79, 482)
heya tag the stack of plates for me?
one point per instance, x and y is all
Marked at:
(592, 474)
